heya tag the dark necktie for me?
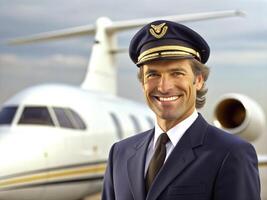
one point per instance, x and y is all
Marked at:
(157, 159)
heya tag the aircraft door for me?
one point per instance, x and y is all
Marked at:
(64, 154)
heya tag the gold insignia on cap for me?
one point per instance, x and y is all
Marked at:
(158, 31)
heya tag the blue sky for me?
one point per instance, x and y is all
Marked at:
(234, 42)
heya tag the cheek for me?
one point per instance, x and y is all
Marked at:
(146, 90)
(185, 85)
(148, 86)
(189, 88)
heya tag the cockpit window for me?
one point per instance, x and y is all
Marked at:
(36, 115)
(77, 119)
(7, 114)
(67, 118)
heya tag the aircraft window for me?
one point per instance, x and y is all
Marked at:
(77, 119)
(63, 118)
(36, 115)
(137, 126)
(117, 125)
(7, 114)
(150, 122)
(67, 118)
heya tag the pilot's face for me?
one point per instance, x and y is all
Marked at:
(170, 89)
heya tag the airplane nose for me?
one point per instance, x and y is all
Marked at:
(20, 157)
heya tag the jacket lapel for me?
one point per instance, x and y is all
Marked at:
(181, 156)
(136, 165)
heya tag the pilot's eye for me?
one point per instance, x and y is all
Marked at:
(151, 75)
(177, 73)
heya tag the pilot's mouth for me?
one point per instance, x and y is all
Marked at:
(168, 99)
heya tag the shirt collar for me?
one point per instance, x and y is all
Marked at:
(176, 132)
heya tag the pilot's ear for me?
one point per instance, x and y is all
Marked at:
(199, 81)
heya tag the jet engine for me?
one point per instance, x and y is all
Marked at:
(240, 115)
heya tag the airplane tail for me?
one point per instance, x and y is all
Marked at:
(101, 72)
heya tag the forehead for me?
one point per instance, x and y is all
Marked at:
(166, 65)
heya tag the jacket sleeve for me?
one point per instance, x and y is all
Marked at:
(108, 187)
(238, 178)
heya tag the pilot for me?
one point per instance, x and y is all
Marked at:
(182, 157)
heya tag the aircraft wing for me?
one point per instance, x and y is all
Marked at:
(124, 25)
(121, 26)
(53, 35)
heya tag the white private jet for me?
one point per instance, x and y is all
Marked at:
(55, 138)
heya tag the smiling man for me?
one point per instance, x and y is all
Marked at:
(182, 157)
(170, 89)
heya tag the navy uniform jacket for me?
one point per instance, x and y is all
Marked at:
(206, 164)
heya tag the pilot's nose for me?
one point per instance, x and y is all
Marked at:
(165, 84)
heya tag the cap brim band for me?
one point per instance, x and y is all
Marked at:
(176, 49)
(164, 57)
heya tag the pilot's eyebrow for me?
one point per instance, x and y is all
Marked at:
(177, 70)
(149, 71)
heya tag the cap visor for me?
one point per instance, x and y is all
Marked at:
(164, 58)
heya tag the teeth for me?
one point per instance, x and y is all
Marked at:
(168, 98)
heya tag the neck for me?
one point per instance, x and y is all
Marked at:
(167, 124)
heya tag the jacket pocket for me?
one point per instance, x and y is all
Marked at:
(187, 189)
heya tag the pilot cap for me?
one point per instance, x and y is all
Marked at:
(166, 40)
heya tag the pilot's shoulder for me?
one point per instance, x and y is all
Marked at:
(226, 140)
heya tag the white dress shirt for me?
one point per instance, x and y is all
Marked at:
(174, 134)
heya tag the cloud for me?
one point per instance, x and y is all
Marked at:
(240, 57)
(56, 60)
(21, 11)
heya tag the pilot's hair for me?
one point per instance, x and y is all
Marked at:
(197, 68)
